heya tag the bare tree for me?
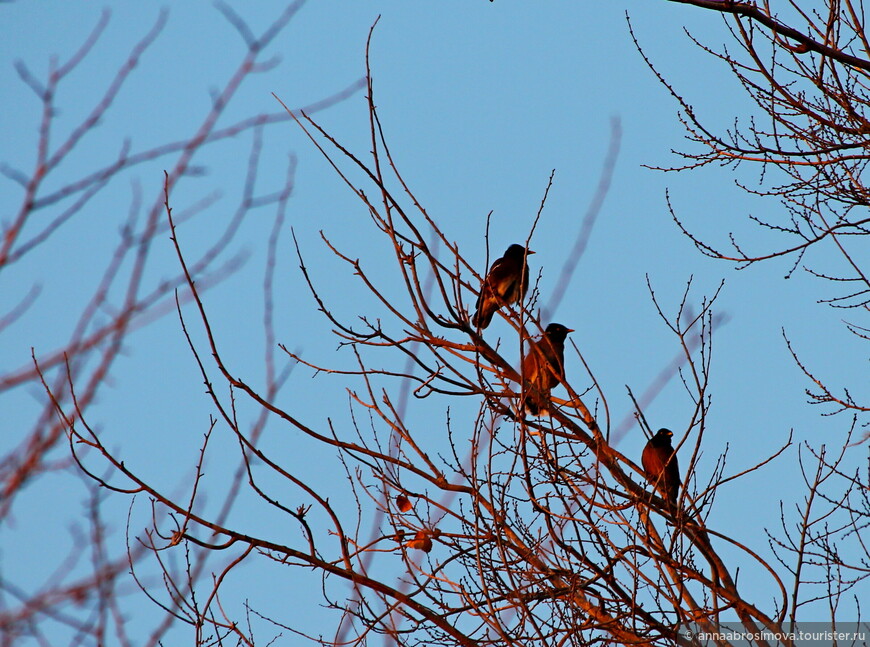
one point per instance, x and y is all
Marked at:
(806, 69)
(453, 516)
(84, 596)
(458, 518)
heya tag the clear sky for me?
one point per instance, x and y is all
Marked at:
(480, 102)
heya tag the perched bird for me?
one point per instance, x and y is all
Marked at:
(544, 368)
(660, 464)
(506, 283)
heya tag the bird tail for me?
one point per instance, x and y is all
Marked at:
(666, 490)
(535, 402)
(483, 314)
(673, 494)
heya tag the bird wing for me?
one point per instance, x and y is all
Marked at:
(499, 287)
(662, 470)
(532, 363)
(553, 362)
(503, 279)
(672, 472)
(535, 391)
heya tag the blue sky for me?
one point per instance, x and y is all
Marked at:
(480, 102)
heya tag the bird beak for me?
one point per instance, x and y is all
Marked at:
(529, 252)
(570, 330)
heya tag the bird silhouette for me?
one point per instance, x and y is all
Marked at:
(544, 368)
(660, 465)
(506, 282)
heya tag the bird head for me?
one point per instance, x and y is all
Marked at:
(518, 251)
(557, 331)
(663, 437)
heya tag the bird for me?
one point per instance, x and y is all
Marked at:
(543, 368)
(660, 465)
(506, 282)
